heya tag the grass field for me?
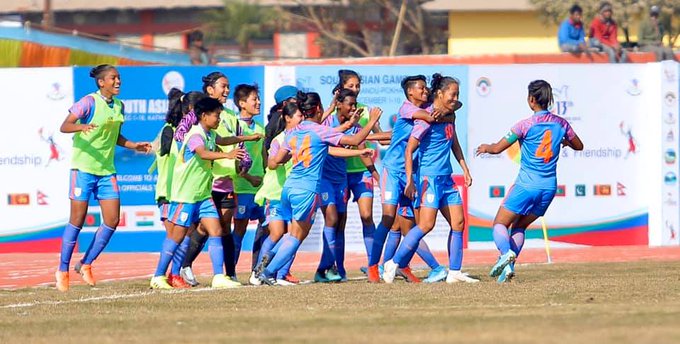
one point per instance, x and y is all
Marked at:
(578, 303)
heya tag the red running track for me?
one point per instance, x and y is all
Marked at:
(23, 270)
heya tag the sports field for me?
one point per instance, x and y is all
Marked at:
(620, 302)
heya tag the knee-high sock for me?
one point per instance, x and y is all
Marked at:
(501, 238)
(368, 230)
(426, 255)
(68, 244)
(178, 258)
(261, 235)
(378, 241)
(238, 242)
(229, 250)
(285, 270)
(328, 252)
(391, 245)
(267, 246)
(517, 240)
(167, 252)
(288, 248)
(408, 247)
(340, 253)
(101, 239)
(215, 250)
(196, 243)
(456, 251)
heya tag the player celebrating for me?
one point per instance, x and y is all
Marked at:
(308, 145)
(540, 137)
(437, 189)
(191, 193)
(96, 120)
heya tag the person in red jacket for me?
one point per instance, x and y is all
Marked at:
(602, 35)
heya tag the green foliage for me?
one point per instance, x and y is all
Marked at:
(241, 21)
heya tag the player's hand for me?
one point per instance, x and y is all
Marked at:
(255, 137)
(144, 147)
(367, 153)
(86, 128)
(353, 119)
(482, 149)
(238, 153)
(255, 181)
(410, 189)
(437, 114)
(375, 113)
(468, 179)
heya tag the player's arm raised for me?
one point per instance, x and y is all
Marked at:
(358, 138)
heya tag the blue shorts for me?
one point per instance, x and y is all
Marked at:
(392, 186)
(273, 211)
(438, 191)
(360, 184)
(186, 214)
(524, 201)
(332, 193)
(164, 208)
(83, 185)
(247, 209)
(299, 205)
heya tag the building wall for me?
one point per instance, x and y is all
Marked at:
(508, 32)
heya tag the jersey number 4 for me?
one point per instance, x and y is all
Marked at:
(303, 153)
(544, 150)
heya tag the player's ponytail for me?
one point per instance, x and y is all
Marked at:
(174, 114)
(541, 91)
(97, 73)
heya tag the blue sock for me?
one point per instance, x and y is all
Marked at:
(238, 242)
(101, 238)
(379, 237)
(456, 251)
(285, 270)
(368, 231)
(391, 245)
(426, 255)
(328, 252)
(286, 252)
(267, 246)
(517, 240)
(501, 238)
(216, 252)
(68, 243)
(167, 252)
(278, 245)
(340, 253)
(180, 253)
(408, 247)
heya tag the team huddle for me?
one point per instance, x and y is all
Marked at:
(218, 168)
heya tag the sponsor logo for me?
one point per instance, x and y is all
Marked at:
(670, 98)
(671, 230)
(670, 137)
(41, 198)
(627, 132)
(670, 178)
(669, 73)
(496, 191)
(670, 199)
(561, 191)
(670, 118)
(55, 152)
(562, 102)
(580, 190)
(602, 190)
(483, 86)
(670, 156)
(634, 88)
(93, 220)
(55, 92)
(172, 79)
(620, 189)
(18, 199)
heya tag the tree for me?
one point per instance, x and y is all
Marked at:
(625, 11)
(241, 21)
(365, 27)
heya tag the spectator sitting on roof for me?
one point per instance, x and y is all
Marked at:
(651, 36)
(602, 36)
(571, 35)
(197, 52)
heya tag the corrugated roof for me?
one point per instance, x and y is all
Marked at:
(18, 6)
